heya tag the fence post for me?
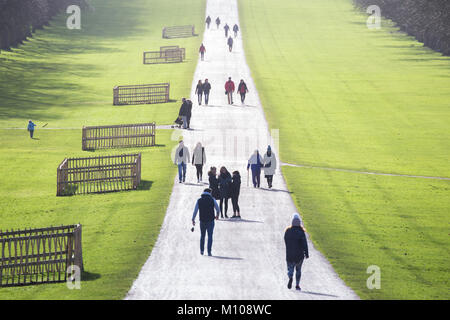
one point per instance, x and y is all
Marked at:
(83, 139)
(78, 260)
(116, 95)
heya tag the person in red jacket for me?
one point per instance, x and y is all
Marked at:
(242, 89)
(229, 89)
(202, 51)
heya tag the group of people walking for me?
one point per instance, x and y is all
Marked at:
(227, 29)
(268, 163)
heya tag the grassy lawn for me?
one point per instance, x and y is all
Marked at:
(65, 78)
(344, 96)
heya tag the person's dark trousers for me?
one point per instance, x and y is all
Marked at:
(234, 202)
(222, 200)
(206, 227)
(242, 97)
(202, 55)
(235, 34)
(199, 99)
(199, 171)
(298, 270)
(206, 97)
(269, 181)
(31, 133)
(182, 172)
(256, 177)
(188, 121)
(230, 48)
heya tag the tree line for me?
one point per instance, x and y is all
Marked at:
(19, 19)
(427, 20)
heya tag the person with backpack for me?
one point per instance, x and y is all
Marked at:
(199, 91)
(189, 113)
(234, 192)
(270, 164)
(224, 189)
(229, 89)
(255, 163)
(30, 128)
(202, 51)
(181, 159)
(296, 250)
(198, 160)
(206, 205)
(230, 43)
(183, 113)
(208, 21)
(218, 22)
(226, 28)
(235, 29)
(242, 89)
(214, 183)
(206, 88)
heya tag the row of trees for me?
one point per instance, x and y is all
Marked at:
(427, 20)
(20, 18)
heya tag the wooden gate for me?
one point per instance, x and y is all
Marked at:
(141, 94)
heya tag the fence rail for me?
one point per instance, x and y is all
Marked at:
(98, 174)
(141, 94)
(171, 54)
(178, 32)
(34, 256)
(119, 136)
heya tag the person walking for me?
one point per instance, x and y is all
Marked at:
(242, 89)
(218, 22)
(206, 204)
(202, 51)
(198, 160)
(226, 28)
(214, 183)
(296, 250)
(184, 112)
(181, 159)
(224, 189)
(189, 113)
(255, 163)
(30, 128)
(206, 88)
(270, 164)
(234, 192)
(229, 89)
(199, 91)
(235, 29)
(230, 43)
(208, 21)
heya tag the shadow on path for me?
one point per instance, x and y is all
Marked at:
(226, 258)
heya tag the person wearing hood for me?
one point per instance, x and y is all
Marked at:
(224, 189)
(198, 160)
(226, 28)
(296, 250)
(214, 183)
(181, 159)
(218, 22)
(255, 163)
(270, 164)
(206, 205)
(234, 192)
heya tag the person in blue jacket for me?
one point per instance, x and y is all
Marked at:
(255, 163)
(30, 128)
(206, 205)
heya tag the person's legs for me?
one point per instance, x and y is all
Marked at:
(298, 273)
(290, 273)
(234, 204)
(210, 229)
(180, 174)
(242, 97)
(188, 118)
(258, 177)
(184, 171)
(231, 97)
(228, 96)
(226, 207)
(199, 99)
(254, 177)
(203, 227)
(221, 207)
(184, 118)
(206, 97)
(199, 171)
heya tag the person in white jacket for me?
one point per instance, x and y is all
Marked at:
(181, 159)
(198, 160)
(270, 164)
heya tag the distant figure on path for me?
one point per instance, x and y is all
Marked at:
(181, 159)
(202, 51)
(218, 22)
(255, 163)
(206, 205)
(296, 250)
(214, 183)
(234, 192)
(198, 160)
(30, 128)
(208, 21)
(229, 89)
(189, 113)
(206, 89)
(230, 43)
(226, 28)
(199, 91)
(242, 89)
(183, 113)
(270, 164)
(224, 189)
(235, 29)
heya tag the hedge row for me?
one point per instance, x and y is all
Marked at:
(427, 20)
(20, 18)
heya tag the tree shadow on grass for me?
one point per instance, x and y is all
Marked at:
(145, 185)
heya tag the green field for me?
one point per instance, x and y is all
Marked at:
(344, 96)
(65, 78)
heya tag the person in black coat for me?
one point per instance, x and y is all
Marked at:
(199, 91)
(206, 88)
(189, 113)
(214, 183)
(234, 192)
(183, 113)
(296, 250)
(208, 21)
(224, 189)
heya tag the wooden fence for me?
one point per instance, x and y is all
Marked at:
(34, 256)
(168, 55)
(163, 49)
(141, 94)
(119, 136)
(98, 174)
(178, 32)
